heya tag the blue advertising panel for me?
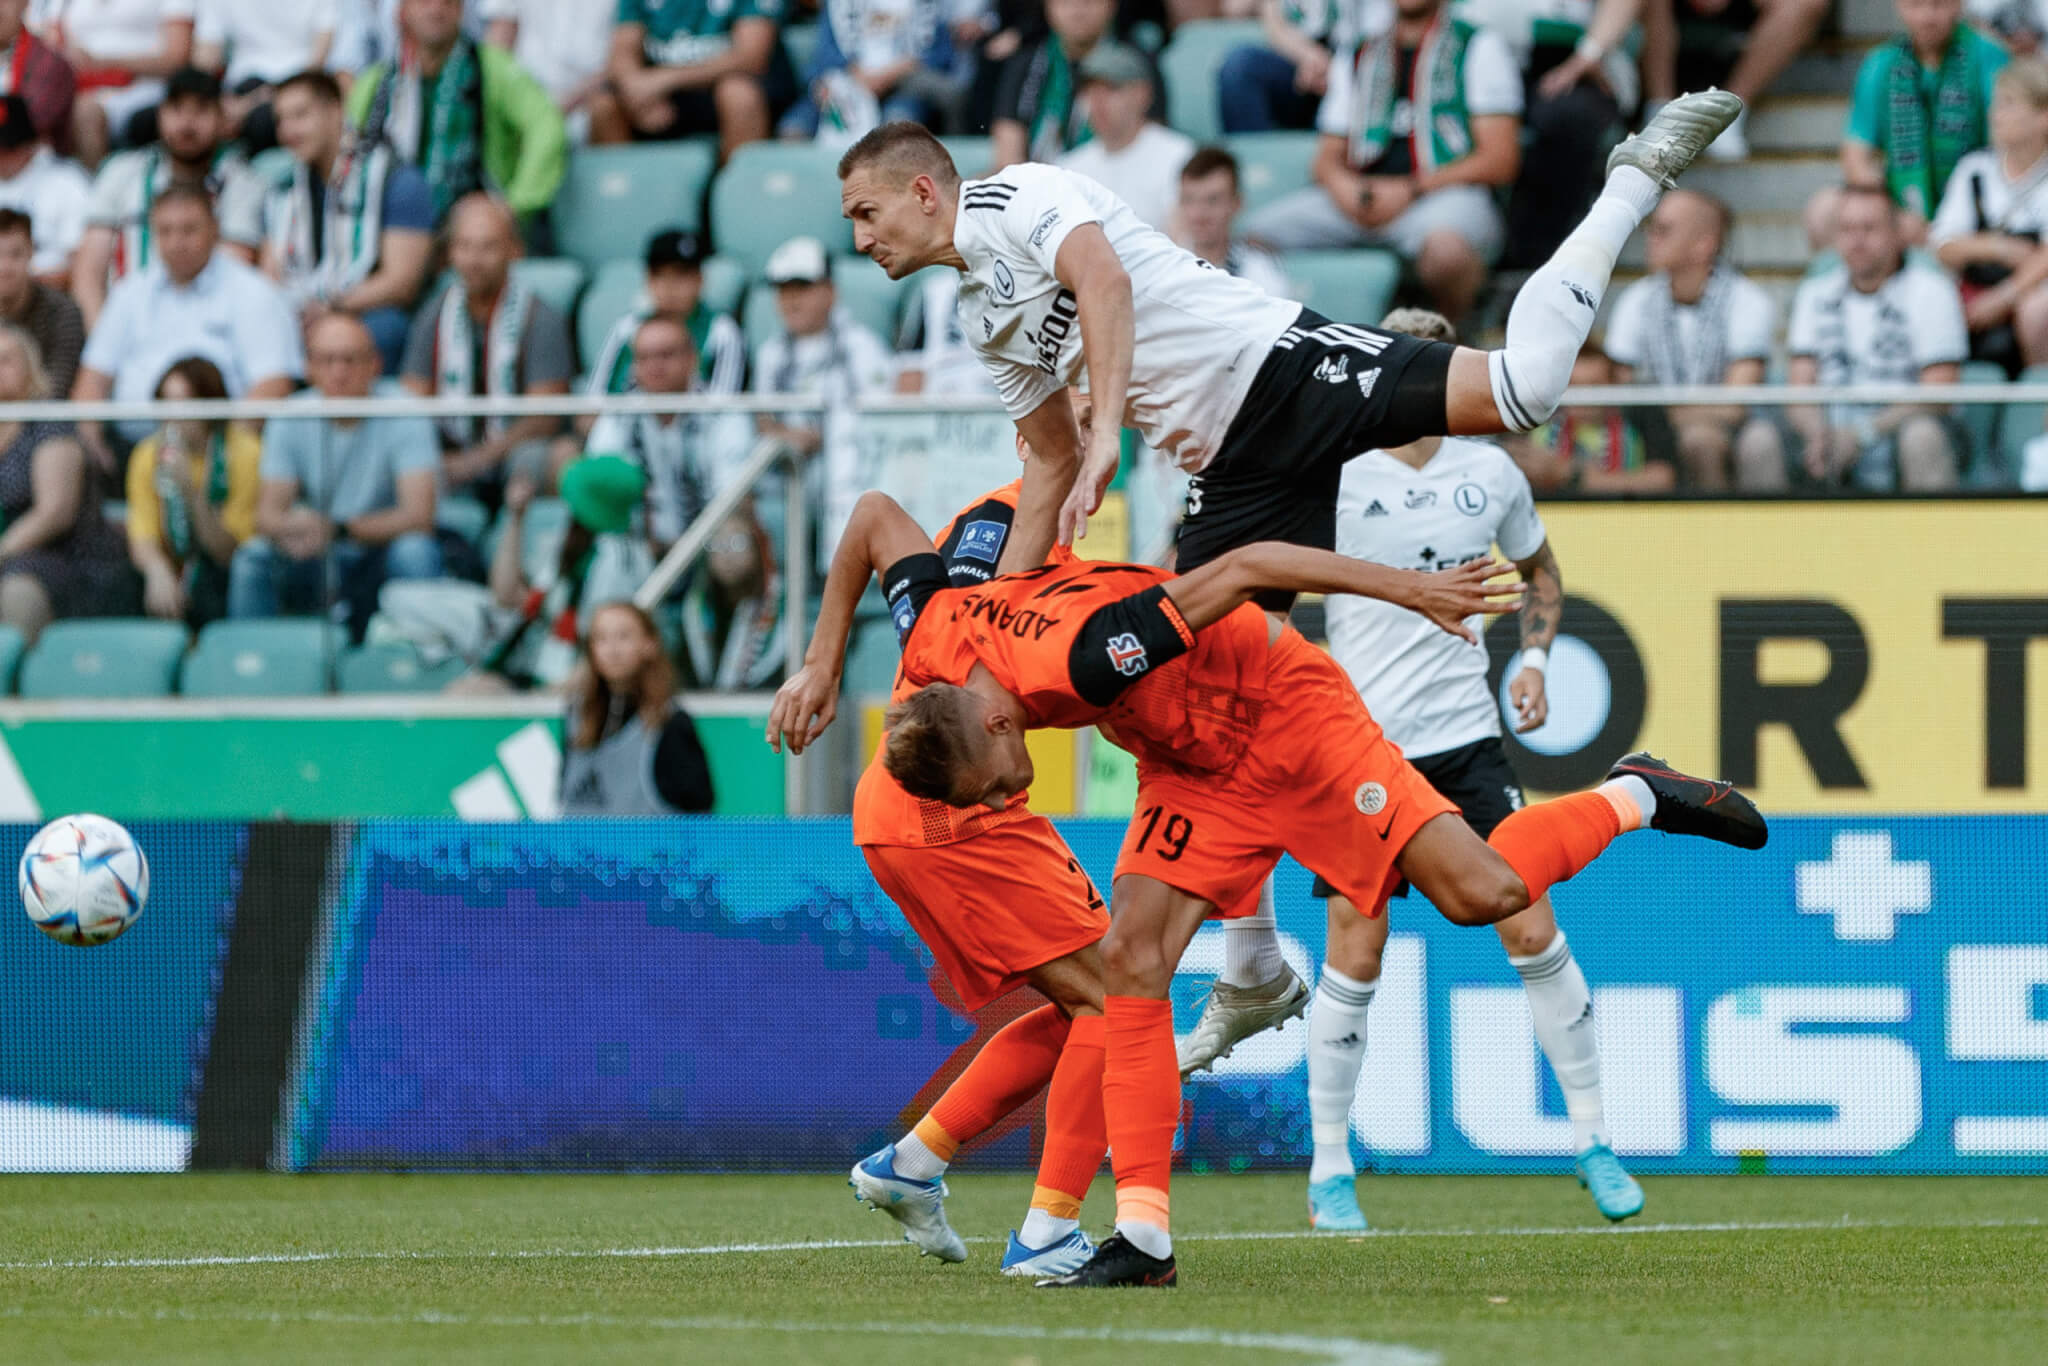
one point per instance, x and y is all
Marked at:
(1863, 995)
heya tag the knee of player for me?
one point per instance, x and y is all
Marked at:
(1130, 960)
(1484, 896)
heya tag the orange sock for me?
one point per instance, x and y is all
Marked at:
(1075, 1138)
(1011, 1068)
(1550, 841)
(1141, 1104)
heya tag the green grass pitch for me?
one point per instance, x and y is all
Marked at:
(742, 1269)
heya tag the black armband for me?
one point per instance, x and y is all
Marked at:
(975, 542)
(908, 585)
(1123, 642)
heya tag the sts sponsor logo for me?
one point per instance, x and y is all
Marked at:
(1127, 653)
(982, 541)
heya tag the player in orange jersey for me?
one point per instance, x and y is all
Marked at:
(1250, 743)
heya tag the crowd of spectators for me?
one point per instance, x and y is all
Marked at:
(213, 198)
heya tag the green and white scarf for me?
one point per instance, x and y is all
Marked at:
(447, 142)
(1059, 122)
(1706, 361)
(455, 354)
(177, 517)
(1924, 144)
(353, 220)
(1439, 97)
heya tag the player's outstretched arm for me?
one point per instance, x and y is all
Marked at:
(1210, 593)
(1088, 265)
(1053, 440)
(878, 534)
(1542, 610)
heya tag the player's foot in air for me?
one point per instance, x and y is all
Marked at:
(1615, 1193)
(1687, 805)
(1054, 1259)
(920, 1206)
(1117, 1262)
(1677, 135)
(1333, 1206)
(1233, 1014)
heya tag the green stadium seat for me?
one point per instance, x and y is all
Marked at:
(615, 198)
(395, 668)
(556, 279)
(800, 41)
(758, 319)
(614, 292)
(971, 156)
(725, 284)
(867, 292)
(278, 657)
(1271, 165)
(1345, 286)
(772, 191)
(11, 647)
(104, 657)
(1980, 419)
(464, 516)
(546, 518)
(2019, 423)
(1191, 67)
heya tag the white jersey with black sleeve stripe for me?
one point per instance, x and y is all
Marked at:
(1200, 334)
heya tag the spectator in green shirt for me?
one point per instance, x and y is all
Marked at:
(1922, 102)
(683, 67)
(467, 116)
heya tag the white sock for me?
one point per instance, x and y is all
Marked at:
(1553, 313)
(1149, 1239)
(1562, 1009)
(1043, 1230)
(916, 1161)
(1251, 946)
(1639, 793)
(1336, 1052)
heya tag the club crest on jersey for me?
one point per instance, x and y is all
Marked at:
(982, 541)
(1127, 654)
(1366, 379)
(1470, 499)
(1006, 283)
(1334, 369)
(1371, 799)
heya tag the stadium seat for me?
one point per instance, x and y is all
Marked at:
(971, 156)
(279, 657)
(545, 520)
(1191, 67)
(615, 198)
(800, 41)
(758, 319)
(867, 292)
(772, 191)
(1980, 419)
(1345, 286)
(104, 657)
(725, 284)
(1271, 165)
(11, 646)
(395, 668)
(556, 279)
(2018, 424)
(614, 292)
(464, 516)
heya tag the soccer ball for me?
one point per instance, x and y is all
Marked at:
(83, 879)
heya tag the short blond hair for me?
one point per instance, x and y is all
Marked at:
(2026, 77)
(1420, 322)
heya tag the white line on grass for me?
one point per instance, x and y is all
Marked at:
(833, 1244)
(1329, 1350)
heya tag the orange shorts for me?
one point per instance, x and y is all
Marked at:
(1318, 781)
(995, 906)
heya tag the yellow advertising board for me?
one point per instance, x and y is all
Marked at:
(1837, 657)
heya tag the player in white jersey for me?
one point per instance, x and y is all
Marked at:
(1435, 504)
(1260, 399)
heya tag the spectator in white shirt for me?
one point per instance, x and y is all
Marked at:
(1138, 160)
(1420, 127)
(563, 45)
(1209, 204)
(192, 129)
(122, 50)
(1877, 318)
(36, 181)
(1695, 322)
(933, 356)
(192, 301)
(1993, 214)
(253, 45)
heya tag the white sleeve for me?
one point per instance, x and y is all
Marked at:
(171, 10)
(1333, 115)
(1493, 83)
(1521, 533)
(1957, 216)
(1940, 336)
(607, 435)
(108, 343)
(1045, 205)
(267, 336)
(60, 216)
(1752, 319)
(1624, 341)
(110, 193)
(1799, 336)
(212, 23)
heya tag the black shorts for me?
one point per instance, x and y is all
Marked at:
(1478, 777)
(1325, 393)
(697, 108)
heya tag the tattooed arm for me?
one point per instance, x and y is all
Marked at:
(1541, 610)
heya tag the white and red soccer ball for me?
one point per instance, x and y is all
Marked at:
(83, 879)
